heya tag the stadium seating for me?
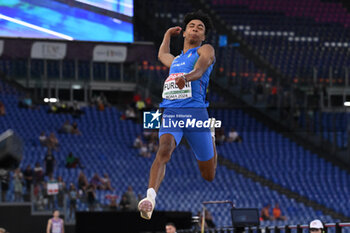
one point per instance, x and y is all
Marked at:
(295, 37)
(332, 126)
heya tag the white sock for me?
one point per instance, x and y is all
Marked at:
(151, 193)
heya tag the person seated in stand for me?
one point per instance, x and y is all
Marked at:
(144, 151)
(43, 139)
(138, 142)
(316, 226)
(233, 136)
(72, 161)
(75, 129)
(209, 219)
(52, 141)
(265, 213)
(66, 127)
(106, 182)
(96, 181)
(26, 102)
(130, 113)
(277, 213)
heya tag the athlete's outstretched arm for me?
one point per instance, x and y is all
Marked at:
(206, 58)
(164, 54)
(48, 228)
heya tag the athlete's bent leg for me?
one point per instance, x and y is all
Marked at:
(166, 147)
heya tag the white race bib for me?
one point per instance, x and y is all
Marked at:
(171, 91)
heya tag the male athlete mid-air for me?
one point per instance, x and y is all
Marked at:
(184, 94)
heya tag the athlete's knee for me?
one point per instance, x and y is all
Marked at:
(164, 152)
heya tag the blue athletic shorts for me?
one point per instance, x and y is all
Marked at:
(198, 135)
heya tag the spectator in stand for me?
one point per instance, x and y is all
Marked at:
(124, 203)
(113, 205)
(43, 139)
(73, 196)
(52, 141)
(154, 135)
(49, 163)
(277, 213)
(100, 101)
(209, 219)
(96, 181)
(75, 110)
(170, 228)
(2, 109)
(66, 127)
(130, 113)
(220, 136)
(18, 184)
(26, 102)
(233, 136)
(102, 98)
(51, 192)
(149, 104)
(5, 181)
(106, 182)
(144, 151)
(316, 226)
(72, 161)
(138, 142)
(131, 197)
(139, 197)
(28, 178)
(38, 173)
(100, 105)
(91, 197)
(140, 105)
(53, 108)
(39, 196)
(136, 98)
(265, 213)
(147, 134)
(61, 192)
(75, 130)
(82, 181)
(153, 146)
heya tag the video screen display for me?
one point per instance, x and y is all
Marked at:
(58, 20)
(125, 7)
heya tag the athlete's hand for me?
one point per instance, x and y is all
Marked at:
(174, 31)
(180, 82)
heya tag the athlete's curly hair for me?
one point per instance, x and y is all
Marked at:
(202, 17)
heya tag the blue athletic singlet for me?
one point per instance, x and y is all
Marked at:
(186, 106)
(193, 94)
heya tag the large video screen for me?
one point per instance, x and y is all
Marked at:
(125, 7)
(59, 20)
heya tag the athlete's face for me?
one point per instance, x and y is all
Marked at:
(56, 214)
(195, 31)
